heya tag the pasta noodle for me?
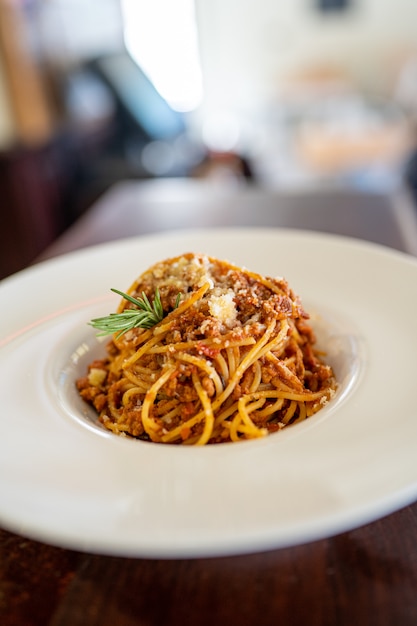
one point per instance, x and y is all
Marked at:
(233, 359)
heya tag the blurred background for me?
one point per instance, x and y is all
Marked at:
(302, 93)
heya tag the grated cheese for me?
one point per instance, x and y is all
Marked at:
(223, 308)
(96, 376)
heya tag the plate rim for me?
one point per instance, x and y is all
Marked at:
(393, 503)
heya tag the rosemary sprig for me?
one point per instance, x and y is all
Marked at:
(146, 315)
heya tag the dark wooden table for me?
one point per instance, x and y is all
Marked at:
(367, 576)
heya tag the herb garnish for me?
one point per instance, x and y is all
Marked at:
(146, 315)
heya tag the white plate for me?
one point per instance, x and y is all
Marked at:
(67, 482)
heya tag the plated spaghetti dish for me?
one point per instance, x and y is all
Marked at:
(204, 352)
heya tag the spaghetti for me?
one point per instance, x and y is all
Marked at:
(232, 358)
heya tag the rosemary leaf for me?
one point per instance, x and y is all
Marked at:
(146, 315)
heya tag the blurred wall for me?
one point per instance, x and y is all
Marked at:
(72, 30)
(250, 47)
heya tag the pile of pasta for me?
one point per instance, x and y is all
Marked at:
(232, 359)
